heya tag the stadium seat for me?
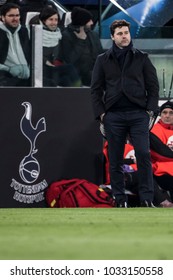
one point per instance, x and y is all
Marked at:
(66, 19)
(29, 16)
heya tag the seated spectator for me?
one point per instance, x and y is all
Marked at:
(54, 70)
(14, 48)
(80, 45)
(161, 197)
(3, 2)
(161, 139)
(36, 19)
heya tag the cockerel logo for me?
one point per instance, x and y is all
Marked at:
(29, 168)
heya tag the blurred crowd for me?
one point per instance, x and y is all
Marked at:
(70, 46)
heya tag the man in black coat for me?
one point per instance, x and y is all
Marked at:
(125, 92)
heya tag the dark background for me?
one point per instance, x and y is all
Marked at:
(70, 148)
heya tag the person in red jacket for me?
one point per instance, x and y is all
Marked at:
(161, 197)
(161, 141)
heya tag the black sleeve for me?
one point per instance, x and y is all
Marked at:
(159, 147)
(159, 194)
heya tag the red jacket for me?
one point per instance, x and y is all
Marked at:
(161, 164)
(128, 154)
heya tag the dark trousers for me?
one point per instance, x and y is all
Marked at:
(131, 183)
(7, 80)
(119, 125)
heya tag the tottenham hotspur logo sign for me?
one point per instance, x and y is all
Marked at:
(29, 167)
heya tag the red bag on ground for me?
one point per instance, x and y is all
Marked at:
(77, 193)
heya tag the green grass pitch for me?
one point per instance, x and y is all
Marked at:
(86, 234)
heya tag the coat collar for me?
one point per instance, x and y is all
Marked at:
(110, 52)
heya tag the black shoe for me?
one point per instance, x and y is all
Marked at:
(122, 205)
(147, 203)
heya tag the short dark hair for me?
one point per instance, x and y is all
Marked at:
(47, 12)
(118, 23)
(6, 7)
